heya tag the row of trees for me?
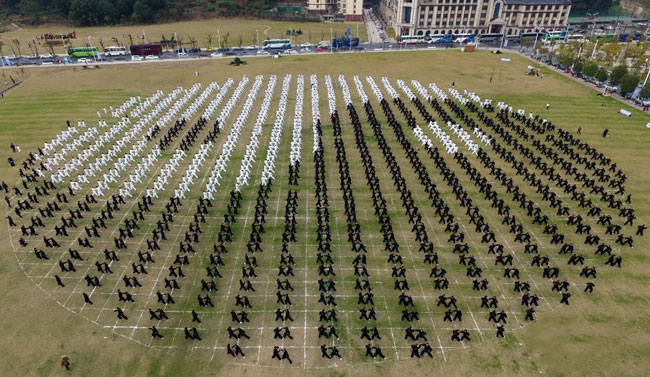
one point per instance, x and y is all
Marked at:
(94, 12)
(590, 6)
(627, 80)
(106, 12)
(622, 64)
(608, 55)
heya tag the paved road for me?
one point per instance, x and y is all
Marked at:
(371, 28)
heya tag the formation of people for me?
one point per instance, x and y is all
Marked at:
(85, 197)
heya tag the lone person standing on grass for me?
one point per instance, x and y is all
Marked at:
(606, 132)
(65, 362)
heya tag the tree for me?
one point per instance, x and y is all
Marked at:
(617, 74)
(601, 75)
(636, 53)
(142, 11)
(565, 60)
(578, 66)
(17, 44)
(93, 12)
(178, 11)
(589, 6)
(62, 6)
(611, 51)
(208, 39)
(590, 69)
(629, 83)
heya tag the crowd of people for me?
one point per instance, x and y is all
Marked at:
(495, 181)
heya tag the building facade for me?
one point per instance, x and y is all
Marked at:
(441, 17)
(350, 10)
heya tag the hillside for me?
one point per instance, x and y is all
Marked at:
(108, 12)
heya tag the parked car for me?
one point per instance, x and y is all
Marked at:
(137, 58)
(151, 57)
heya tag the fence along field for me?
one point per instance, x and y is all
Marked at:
(130, 237)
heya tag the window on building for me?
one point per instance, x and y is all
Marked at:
(407, 15)
(497, 11)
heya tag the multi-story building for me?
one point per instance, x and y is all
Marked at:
(351, 10)
(441, 17)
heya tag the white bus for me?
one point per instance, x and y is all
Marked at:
(575, 37)
(276, 44)
(464, 38)
(558, 35)
(115, 51)
(412, 39)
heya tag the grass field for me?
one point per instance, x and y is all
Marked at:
(605, 333)
(198, 30)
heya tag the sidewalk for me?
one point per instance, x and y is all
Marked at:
(3, 91)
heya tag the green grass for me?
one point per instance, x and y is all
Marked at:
(604, 334)
(199, 30)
